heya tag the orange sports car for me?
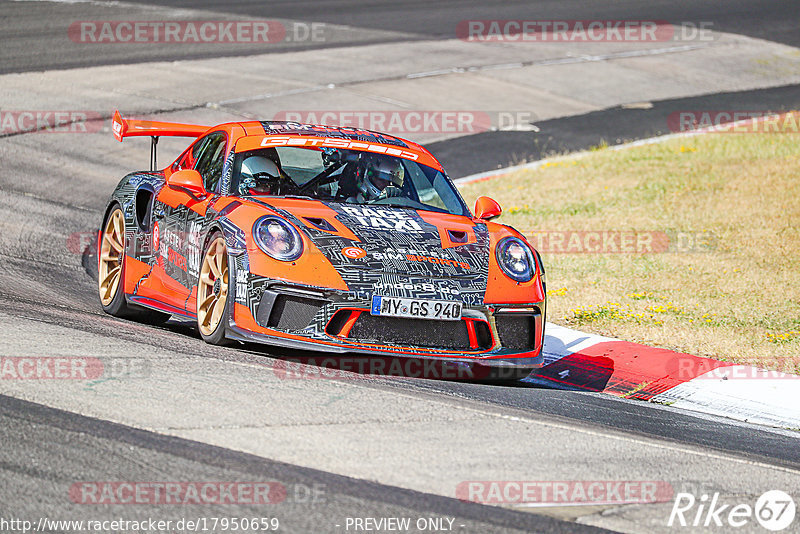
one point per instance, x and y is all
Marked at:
(322, 238)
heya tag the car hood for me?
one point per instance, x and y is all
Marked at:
(396, 251)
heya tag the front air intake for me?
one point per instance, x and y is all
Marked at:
(287, 312)
(517, 330)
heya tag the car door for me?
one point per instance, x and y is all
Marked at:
(209, 165)
(172, 211)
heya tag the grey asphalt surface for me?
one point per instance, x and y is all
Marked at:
(33, 35)
(776, 21)
(44, 450)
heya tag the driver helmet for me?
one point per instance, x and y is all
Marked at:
(259, 175)
(379, 172)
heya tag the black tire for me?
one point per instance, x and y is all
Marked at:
(118, 305)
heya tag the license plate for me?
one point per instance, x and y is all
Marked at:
(441, 310)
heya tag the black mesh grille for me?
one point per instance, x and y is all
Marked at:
(290, 312)
(414, 332)
(516, 330)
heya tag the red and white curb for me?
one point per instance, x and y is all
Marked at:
(578, 360)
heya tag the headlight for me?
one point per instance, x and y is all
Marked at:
(277, 238)
(515, 259)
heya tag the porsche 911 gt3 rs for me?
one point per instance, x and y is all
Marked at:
(323, 238)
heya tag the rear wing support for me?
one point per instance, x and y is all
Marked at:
(153, 144)
(122, 128)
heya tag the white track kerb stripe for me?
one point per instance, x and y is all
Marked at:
(739, 392)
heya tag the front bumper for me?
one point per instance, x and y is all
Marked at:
(337, 322)
(533, 360)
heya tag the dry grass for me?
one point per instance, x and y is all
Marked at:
(735, 296)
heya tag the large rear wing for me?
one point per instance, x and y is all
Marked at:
(122, 128)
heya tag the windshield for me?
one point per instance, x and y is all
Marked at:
(348, 176)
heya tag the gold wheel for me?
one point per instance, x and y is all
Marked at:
(111, 254)
(212, 288)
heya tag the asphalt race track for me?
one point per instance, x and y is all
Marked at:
(178, 410)
(35, 40)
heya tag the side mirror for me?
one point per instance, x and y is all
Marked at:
(487, 208)
(187, 179)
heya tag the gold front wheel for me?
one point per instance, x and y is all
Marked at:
(212, 287)
(112, 250)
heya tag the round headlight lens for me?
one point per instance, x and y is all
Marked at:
(515, 259)
(277, 238)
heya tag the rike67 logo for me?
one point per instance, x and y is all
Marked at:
(774, 510)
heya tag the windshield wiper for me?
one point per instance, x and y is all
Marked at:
(302, 197)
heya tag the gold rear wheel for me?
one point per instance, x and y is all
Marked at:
(112, 249)
(212, 287)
